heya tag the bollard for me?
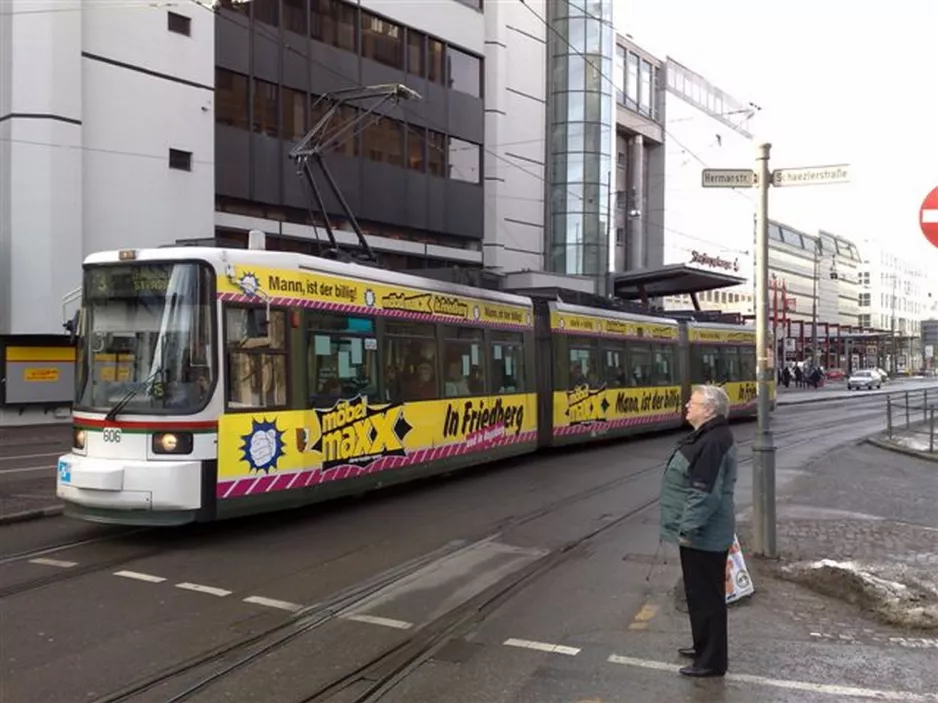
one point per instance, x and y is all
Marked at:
(931, 432)
(908, 420)
(889, 416)
(925, 405)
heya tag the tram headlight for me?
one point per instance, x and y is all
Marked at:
(172, 443)
(78, 439)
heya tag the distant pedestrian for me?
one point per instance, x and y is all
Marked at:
(698, 513)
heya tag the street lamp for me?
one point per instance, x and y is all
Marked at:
(814, 301)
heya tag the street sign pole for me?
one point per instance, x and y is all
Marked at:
(763, 449)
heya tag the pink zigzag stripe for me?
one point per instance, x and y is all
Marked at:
(618, 423)
(351, 308)
(253, 485)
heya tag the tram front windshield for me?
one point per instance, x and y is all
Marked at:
(146, 338)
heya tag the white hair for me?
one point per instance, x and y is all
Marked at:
(715, 398)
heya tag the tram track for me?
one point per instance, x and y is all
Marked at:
(385, 670)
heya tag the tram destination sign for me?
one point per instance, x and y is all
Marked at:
(811, 176)
(728, 178)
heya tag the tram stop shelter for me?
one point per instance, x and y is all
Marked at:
(668, 280)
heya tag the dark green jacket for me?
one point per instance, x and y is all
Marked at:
(697, 489)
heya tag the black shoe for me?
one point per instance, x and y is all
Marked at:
(700, 672)
(687, 652)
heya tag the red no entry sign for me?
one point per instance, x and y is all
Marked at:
(928, 217)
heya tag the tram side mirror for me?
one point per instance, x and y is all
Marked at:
(72, 326)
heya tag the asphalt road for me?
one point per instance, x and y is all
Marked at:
(417, 588)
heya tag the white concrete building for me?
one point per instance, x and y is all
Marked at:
(711, 228)
(138, 125)
(896, 295)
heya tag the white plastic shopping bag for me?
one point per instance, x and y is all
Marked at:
(738, 580)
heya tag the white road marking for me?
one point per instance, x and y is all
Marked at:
(138, 576)
(273, 603)
(929, 217)
(823, 688)
(376, 620)
(542, 647)
(27, 469)
(54, 562)
(199, 588)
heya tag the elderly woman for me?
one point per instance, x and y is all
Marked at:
(697, 512)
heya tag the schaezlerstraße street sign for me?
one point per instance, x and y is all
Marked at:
(781, 178)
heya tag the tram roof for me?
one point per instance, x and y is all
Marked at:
(304, 263)
(671, 279)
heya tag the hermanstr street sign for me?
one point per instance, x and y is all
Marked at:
(811, 175)
(928, 217)
(728, 178)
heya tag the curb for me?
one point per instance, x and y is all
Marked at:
(890, 447)
(35, 514)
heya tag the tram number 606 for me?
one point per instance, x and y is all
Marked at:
(112, 435)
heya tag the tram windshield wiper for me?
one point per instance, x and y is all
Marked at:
(122, 403)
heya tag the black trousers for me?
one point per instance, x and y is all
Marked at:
(705, 588)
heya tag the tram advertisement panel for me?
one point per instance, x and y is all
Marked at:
(578, 324)
(348, 295)
(595, 410)
(273, 451)
(699, 335)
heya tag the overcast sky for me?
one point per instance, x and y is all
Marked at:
(839, 82)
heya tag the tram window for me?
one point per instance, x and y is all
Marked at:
(747, 363)
(583, 358)
(615, 370)
(342, 358)
(664, 372)
(463, 362)
(257, 362)
(641, 370)
(730, 358)
(704, 364)
(507, 362)
(410, 362)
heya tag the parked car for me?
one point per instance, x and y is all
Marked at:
(867, 379)
(835, 374)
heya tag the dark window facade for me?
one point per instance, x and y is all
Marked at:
(274, 95)
(334, 22)
(382, 41)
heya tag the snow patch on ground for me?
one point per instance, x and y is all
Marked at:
(897, 594)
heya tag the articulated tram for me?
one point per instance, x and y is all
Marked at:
(213, 383)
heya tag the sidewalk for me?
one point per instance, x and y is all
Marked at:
(858, 506)
(837, 390)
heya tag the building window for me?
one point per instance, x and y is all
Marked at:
(416, 149)
(180, 160)
(267, 11)
(334, 22)
(384, 141)
(345, 140)
(631, 82)
(416, 59)
(382, 41)
(465, 72)
(294, 114)
(180, 24)
(435, 64)
(464, 160)
(294, 16)
(265, 108)
(645, 89)
(436, 154)
(231, 98)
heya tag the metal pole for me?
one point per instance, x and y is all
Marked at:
(931, 433)
(889, 416)
(763, 449)
(814, 300)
